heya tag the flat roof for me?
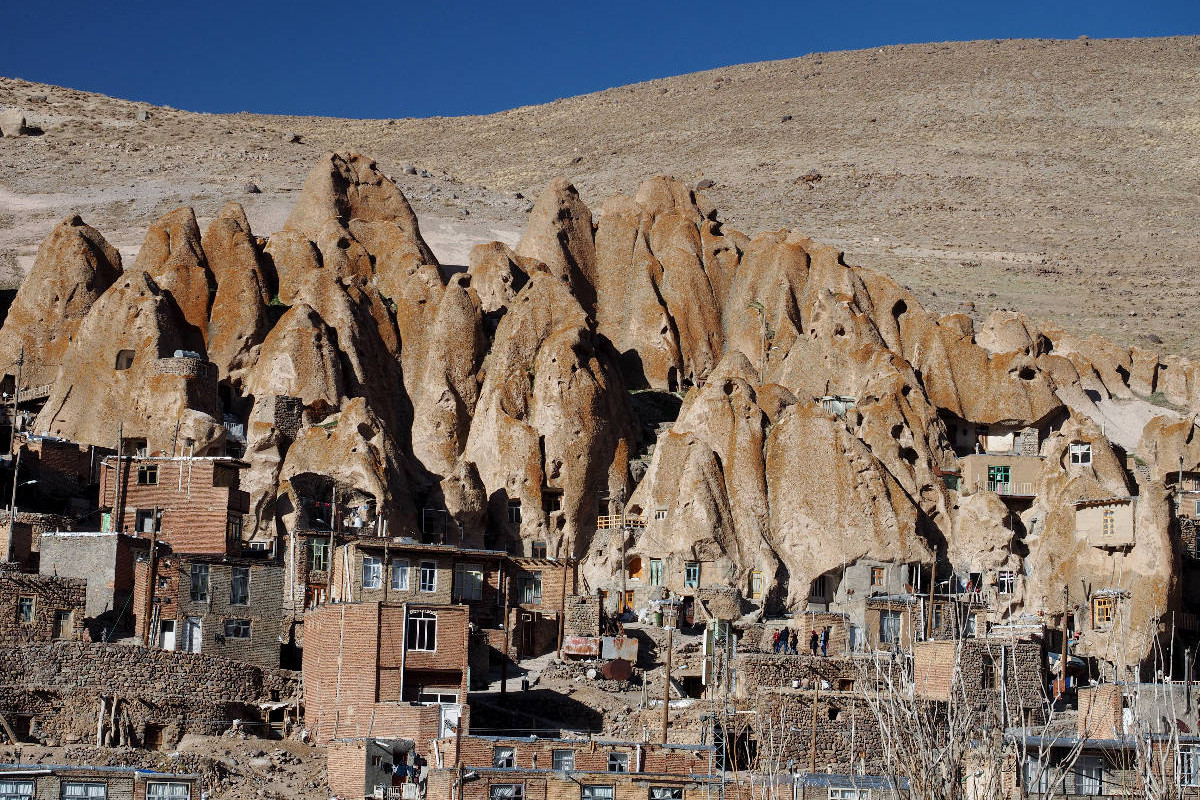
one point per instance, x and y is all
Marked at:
(223, 459)
(608, 742)
(46, 769)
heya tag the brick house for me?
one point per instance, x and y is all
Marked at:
(547, 769)
(39, 608)
(538, 589)
(989, 669)
(62, 468)
(202, 603)
(199, 504)
(50, 782)
(362, 767)
(106, 561)
(385, 670)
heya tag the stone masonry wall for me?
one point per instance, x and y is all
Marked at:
(583, 616)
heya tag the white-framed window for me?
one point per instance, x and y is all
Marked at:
(237, 629)
(849, 794)
(400, 568)
(239, 586)
(597, 793)
(372, 573)
(1187, 765)
(1006, 581)
(618, 762)
(468, 582)
(506, 791)
(1089, 775)
(1081, 453)
(163, 790)
(422, 630)
(1037, 776)
(660, 513)
(428, 576)
(889, 627)
(666, 793)
(504, 757)
(76, 790)
(562, 760)
(514, 512)
(531, 588)
(437, 698)
(16, 790)
(318, 555)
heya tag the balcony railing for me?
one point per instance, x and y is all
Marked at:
(1022, 489)
(615, 521)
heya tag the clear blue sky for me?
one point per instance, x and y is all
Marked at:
(398, 59)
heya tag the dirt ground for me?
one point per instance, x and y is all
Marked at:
(1054, 177)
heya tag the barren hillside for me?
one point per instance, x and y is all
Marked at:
(1054, 177)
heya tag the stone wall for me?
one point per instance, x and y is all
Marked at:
(55, 691)
(767, 671)
(46, 597)
(841, 729)
(583, 615)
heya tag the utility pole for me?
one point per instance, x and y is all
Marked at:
(812, 736)
(12, 507)
(504, 587)
(16, 394)
(932, 592)
(667, 683)
(624, 537)
(1066, 613)
(152, 569)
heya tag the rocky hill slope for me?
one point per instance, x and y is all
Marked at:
(1053, 177)
(776, 412)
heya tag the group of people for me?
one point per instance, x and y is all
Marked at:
(782, 642)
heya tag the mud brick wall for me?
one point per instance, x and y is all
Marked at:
(54, 689)
(50, 595)
(768, 671)
(1020, 664)
(843, 728)
(62, 468)
(583, 615)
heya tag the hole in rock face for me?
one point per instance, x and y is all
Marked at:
(1026, 373)
(899, 308)
(343, 243)
(908, 454)
(727, 388)
(833, 713)
(905, 390)
(897, 429)
(839, 331)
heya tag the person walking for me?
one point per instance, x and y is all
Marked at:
(795, 642)
(813, 641)
(825, 641)
(775, 642)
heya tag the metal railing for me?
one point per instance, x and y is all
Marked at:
(1022, 489)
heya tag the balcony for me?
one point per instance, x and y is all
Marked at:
(617, 521)
(1011, 488)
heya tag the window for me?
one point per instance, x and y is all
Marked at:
(514, 512)
(506, 791)
(468, 582)
(666, 793)
(1081, 453)
(62, 624)
(25, 610)
(552, 501)
(428, 576)
(1089, 775)
(168, 791)
(1187, 768)
(233, 529)
(691, 574)
(124, 360)
(372, 573)
(537, 550)
(318, 555)
(1037, 776)
(820, 588)
(1102, 609)
(999, 478)
(400, 567)
(199, 583)
(634, 568)
(22, 790)
(531, 588)
(596, 793)
(618, 762)
(147, 475)
(562, 760)
(1108, 522)
(422, 630)
(437, 698)
(503, 758)
(143, 520)
(1006, 581)
(84, 791)
(877, 576)
(660, 513)
(889, 627)
(987, 674)
(237, 629)
(849, 794)
(239, 587)
(756, 585)
(656, 572)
